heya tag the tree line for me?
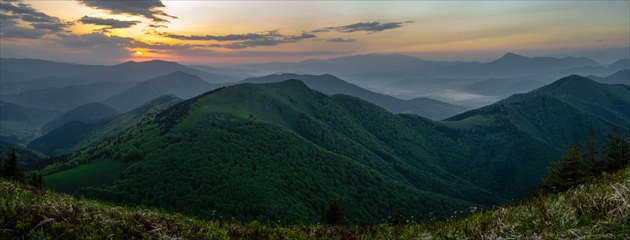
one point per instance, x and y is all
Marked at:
(580, 165)
(9, 170)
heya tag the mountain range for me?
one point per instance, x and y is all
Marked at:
(458, 83)
(280, 151)
(329, 84)
(178, 83)
(76, 131)
(620, 77)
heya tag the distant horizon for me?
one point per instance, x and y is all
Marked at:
(428, 57)
(237, 32)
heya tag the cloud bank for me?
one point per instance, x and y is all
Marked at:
(370, 27)
(147, 8)
(108, 23)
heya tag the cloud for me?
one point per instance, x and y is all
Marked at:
(246, 40)
(370, 27)
(55, 27)
(95, 39)
(14, 31)
(110, 23)
(286, 54)
(14, 12)
(147, 8)
(157, 26)
(6, 19)
(300, 37)
(229, 37)
(320, 30)
(162, 46)
(340, 40)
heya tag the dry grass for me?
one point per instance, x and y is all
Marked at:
(594, 211)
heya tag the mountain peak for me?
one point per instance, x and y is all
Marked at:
(510, 57)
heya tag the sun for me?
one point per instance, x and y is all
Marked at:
(138, 53)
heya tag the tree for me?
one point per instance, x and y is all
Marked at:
(11, 170)
(37, 181)
(570, 171)
(591, 153)
(617, 152)
(333, 215)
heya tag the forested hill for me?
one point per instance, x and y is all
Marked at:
(281, 151)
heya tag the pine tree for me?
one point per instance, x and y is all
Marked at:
(37, 181)
(617, 152)
(570, 171)
(591, 154)
(333, 214)
(11, 170)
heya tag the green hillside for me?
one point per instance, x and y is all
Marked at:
(512, 140)
(594, 211)
(281, 151)
(76, 135)
(232, 153)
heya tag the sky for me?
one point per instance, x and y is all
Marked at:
(230, 32)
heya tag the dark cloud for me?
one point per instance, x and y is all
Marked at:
(300, 37)
(95, 39)
(12, 12)
(370, 27)
(252, 43)
(162, 46)
(51, 26)
(320, 30)
(410, 21)
(146, 8)
(247, 40)
(225, 38)
(14, 31)
(6, 19)
(286, 54)
(110, 23)
(26, 12)
(157, 26)
(340, 40)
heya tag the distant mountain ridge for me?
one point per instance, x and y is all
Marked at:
(620, 77)
(74, 135)
(127, 71)
(88, 113)
(329, 84)
(178, 83)
(66, 98)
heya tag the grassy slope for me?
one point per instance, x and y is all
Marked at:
(93, 174)
(592, 211)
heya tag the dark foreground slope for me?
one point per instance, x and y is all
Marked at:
(595, 211)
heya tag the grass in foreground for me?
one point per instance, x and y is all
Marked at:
(594, 211)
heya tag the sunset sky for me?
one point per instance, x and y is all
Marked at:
(225, 32)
